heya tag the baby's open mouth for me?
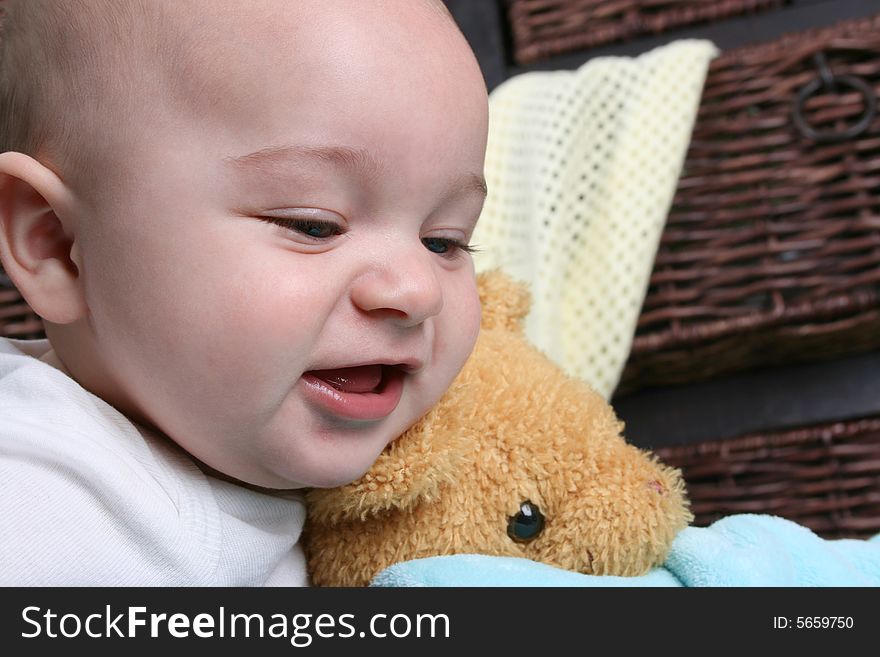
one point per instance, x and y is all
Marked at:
(365, 378)
(365, 392)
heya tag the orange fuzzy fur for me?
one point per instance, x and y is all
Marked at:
(513, 427)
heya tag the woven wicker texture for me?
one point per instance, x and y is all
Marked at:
(771, 252)
(543, 28)
(17, 320)
(826, 478)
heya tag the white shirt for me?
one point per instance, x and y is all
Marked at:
(89, 498)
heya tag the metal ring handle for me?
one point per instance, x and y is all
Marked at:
(834, 82)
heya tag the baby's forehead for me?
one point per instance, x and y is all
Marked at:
(120, 64)
(197, 43)
(211, 52)
(211, 62)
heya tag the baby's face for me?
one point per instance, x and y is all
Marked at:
(273, 268)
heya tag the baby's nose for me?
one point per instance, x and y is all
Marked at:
(406, 290)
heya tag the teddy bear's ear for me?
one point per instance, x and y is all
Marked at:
(505, 302)
(412, 469)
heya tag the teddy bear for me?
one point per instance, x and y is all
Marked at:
(517, 459)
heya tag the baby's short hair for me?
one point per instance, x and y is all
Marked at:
(63, 63)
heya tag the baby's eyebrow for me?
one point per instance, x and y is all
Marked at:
(355, 159)
(471, 182)
(358, 160)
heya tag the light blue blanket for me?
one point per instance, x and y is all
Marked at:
(739, 550)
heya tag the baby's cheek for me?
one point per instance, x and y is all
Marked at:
(455, 334)
(466, 319)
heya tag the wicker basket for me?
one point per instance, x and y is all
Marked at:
(17, 320)
(543, 28)
(771, 252)
(826, 478)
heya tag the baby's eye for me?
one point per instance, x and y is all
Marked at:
(446, 247)
(318, 230)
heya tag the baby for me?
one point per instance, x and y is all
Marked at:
(245, 226)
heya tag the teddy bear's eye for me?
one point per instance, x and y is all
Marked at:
(526, 525)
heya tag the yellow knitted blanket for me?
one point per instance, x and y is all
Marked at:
(582, 167)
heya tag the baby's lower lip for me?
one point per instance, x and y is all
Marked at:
(372, 405)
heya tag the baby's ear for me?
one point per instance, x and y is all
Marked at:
(505, 302)
(37, 246)
(411, 470)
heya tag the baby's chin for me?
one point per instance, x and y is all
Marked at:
(324, 470)
(280, 482)
(328, 477)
